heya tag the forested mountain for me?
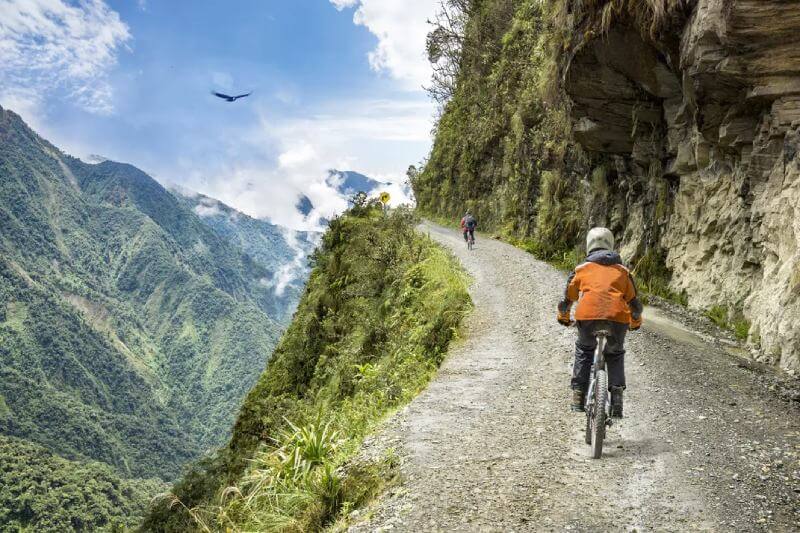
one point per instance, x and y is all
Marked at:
(130, 328)
(44, 492)
(282, 251)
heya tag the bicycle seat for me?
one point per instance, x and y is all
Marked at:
(602, 333)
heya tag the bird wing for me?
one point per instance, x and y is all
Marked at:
(243, 95)
(221, 95)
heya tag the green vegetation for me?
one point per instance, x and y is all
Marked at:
(736, 324)
(42, 492)
(652, 279)
(503, 145)
(267, 244)
(381, 306)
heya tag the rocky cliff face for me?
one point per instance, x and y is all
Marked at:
(696, 117)
(673, 122)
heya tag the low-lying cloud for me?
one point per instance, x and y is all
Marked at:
(284, 159)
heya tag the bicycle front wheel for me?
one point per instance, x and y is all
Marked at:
(599, 414)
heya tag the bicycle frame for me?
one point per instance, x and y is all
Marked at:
(598, 401)
(598, 364)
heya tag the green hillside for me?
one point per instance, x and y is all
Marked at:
(381, 306)
(509, 166)
(130, 330)
(283, 252)
(506, 144)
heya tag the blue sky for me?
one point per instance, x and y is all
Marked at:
(336, 84)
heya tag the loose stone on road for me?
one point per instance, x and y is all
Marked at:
(491, 445)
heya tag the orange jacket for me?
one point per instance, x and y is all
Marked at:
(604, 290)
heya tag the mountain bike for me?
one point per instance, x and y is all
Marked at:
(598, 400)
(470, 239)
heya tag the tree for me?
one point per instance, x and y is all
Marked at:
(444, 46)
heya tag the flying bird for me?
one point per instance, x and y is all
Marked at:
(229, 98)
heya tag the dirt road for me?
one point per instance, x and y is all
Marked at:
(492, 446)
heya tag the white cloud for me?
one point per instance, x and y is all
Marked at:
(401, 28)
(291, 271)
(378, 138)
(203, 210)
(25, 104)
(297, 156)
(57, 45)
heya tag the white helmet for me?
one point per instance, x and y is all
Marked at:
(599, 239)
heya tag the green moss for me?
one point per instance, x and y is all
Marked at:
(560, 214)
(653, 279)
(599, 183)
(741, 328)
(651, 17)
(734, 322)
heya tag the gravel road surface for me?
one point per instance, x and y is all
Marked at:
(491, 445)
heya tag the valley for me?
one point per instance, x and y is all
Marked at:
(131, 327)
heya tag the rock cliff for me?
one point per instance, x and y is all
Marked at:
(674, 122)
(698, 117)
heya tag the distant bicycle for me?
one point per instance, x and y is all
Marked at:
(470, 239)
(598, 401)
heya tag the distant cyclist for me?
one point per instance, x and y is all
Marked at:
(607, 298)
(468, 225)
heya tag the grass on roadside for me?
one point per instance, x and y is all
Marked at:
(736, 324)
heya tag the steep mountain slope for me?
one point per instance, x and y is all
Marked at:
(348, 182)
(382, 304)
(130, 330)
(283, 252)
(673, 123)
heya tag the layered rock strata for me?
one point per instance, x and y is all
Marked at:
(696, 125)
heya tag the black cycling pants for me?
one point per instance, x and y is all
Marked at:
(584, 352)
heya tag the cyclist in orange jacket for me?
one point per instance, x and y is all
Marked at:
(607, 298)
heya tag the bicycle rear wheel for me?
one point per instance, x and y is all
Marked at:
(589, 406)
(589, 428)
(598, 420)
